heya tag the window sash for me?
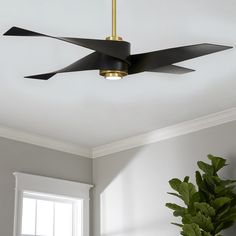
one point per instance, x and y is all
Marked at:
(55, 200)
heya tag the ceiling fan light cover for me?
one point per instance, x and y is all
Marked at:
(113, 78)
(113, 75)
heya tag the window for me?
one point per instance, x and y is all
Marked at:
(50, 207)
(49, 215)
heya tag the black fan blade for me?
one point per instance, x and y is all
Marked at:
(41, 76)
(172, 69)
(90, 62)
(117, 49)
(15, 31)
(153, 60)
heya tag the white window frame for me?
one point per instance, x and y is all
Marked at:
(51, 186)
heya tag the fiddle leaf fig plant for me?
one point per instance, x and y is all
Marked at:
(210, 206)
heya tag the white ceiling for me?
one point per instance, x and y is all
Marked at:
(83, 108)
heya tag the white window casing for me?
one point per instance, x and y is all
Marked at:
(57, 187)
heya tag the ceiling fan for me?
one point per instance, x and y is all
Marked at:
(113, 59)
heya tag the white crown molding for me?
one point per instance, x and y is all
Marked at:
(166, 133)
(124, 144)
(43, 141)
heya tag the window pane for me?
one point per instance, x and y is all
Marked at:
(44, 218)
(28, 216)
(79, 206)
(63, 219)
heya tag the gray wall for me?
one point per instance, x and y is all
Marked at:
(16, 156)
(130, 186)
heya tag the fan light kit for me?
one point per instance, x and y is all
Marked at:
(113, 59)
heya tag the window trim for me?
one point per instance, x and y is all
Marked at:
(51, 186)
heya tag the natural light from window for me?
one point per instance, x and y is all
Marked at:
(48, 215)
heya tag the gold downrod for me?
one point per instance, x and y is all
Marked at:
(114, 33)
(114, 18)
(113, 74)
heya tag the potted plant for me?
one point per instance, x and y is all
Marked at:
(210, 207)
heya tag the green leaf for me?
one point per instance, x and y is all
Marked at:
(176, 195)
(217, 162)
(191, 230)
(206, 233)
(209, 181)
(203, 191)
(208, 169)
(179, 225)
(174, 207)
(228, 182)
(217, 179)
(198, 178)
(220, 202)
(219, 227)
(175, 183)
(205, 209)
(222, 212)
(222, 191)
(184, 192)
(179, 213)
(187, 190)
(203, 222)
(196, 197)
(187, 219)
(186, 179)
(230, 217)
(178, 210)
